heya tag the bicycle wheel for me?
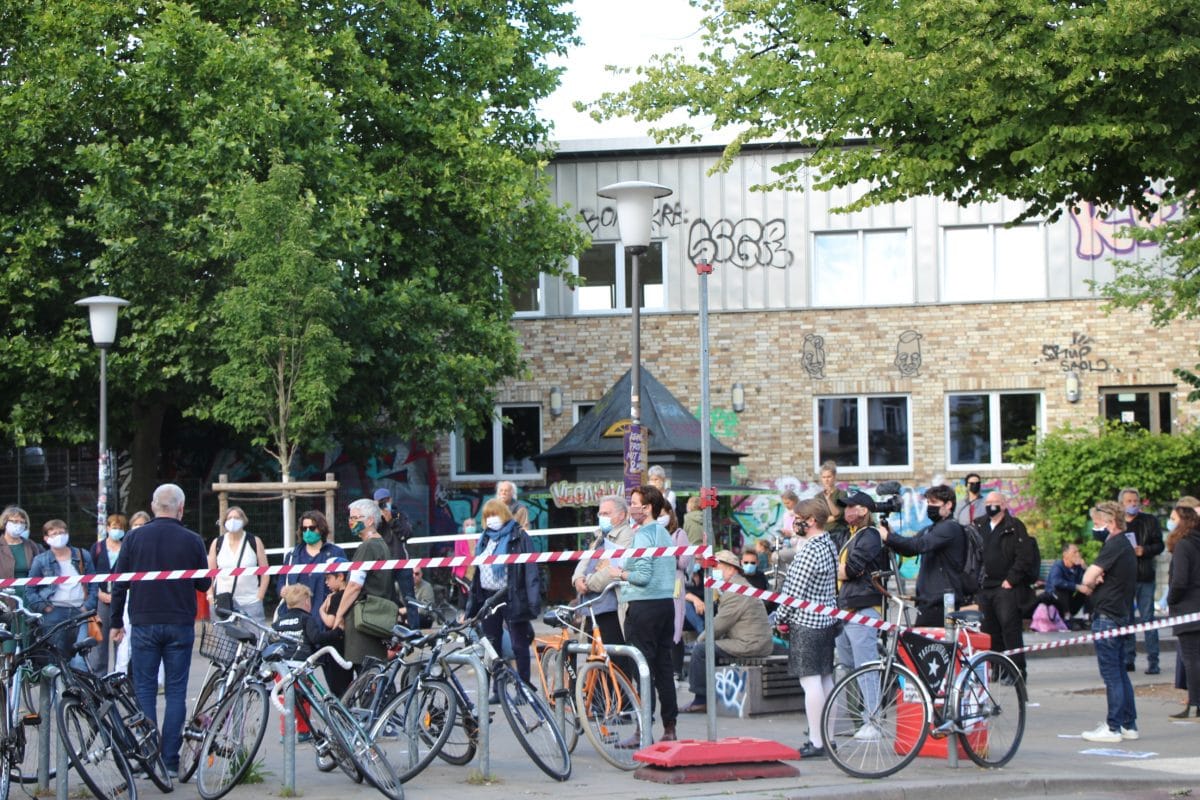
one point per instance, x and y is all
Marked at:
(533, 723)
(198, 724)
(232, 742)
(8, 745)
(991, 709)
(415, 726)
(91, 752)
(555, 677)
(609, 707)
(329, 754)
(24, 766)
(868, 742)
(463, 740)
(137, 736)
(368, 756)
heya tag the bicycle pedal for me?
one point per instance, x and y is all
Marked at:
(31, 720)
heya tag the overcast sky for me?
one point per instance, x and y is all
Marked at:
(620, 32)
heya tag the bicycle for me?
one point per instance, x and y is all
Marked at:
(607, 696)
(977, 699)
(345, 736)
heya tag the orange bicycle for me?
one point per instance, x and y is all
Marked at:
(597, 697)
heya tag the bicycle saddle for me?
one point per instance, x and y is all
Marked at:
(406, 634)
(967, 617)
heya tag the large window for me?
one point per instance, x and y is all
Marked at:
(991, 262)
(607, 278)
(505, 451)
(862, 268)
(1147, 406)
(981, 428)
(527, 298)
(864, 432)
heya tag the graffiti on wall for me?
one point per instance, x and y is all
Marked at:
(745, 244)
(729, 685)
(722, 422)
(667, 215)
(1099, 231)
(1076, 356)
(812, 355)
(908, 353)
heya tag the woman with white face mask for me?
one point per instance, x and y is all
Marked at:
(17, 550)
(62, 601)
(237, 547)
(104, 555)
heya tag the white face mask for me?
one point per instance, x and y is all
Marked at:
(493, 523)
(664, 520)
(58, 540)
(14, 529)
(234, 524)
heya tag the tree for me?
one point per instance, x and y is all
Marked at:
(134, 123)
(1053, 103)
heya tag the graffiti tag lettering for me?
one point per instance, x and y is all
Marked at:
(729, 684)
(667, 215)
(1076, 356)
(1099, 231)
(745, 244)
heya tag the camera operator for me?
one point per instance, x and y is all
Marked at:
(943, 550)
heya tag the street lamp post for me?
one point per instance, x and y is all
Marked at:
(102, 315)
(635, 202)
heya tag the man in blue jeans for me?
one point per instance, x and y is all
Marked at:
(1111, 581)
(162, 613)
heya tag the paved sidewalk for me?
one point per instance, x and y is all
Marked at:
(1066, 697)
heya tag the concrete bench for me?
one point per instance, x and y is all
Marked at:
(752, 686)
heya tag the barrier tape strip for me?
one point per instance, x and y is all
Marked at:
(349, 566)
(872, 622)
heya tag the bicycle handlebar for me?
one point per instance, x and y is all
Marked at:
(231, 617)
(286, 680)
(19, 601)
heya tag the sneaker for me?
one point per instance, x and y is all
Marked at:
(173, 773)
(809, 750)
(1153, 670)
(1130, 734)
(869, 732)
(1103, 733)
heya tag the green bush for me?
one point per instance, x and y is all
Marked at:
(1074, 468)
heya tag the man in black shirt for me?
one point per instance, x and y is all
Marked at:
(395, 529)
(1010, 566)
(942, 548)
(1111, 581)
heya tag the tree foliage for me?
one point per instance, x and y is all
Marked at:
(1075, 468)
(1056, 104)
(131, 126)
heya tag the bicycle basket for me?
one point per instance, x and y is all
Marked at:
(216, 646)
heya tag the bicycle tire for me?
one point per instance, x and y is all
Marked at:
(8, 745)
(610, 713)
(232, 741)
(554, 676)
(533, 723)
(198, 724)
(990, 699)
(91, 751)
(137, 735)
(415, 726)
(368, 756)
(874, 745)
(463, 741)
(25, 770)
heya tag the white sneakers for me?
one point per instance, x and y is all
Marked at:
(1103, 733)
(868, 733)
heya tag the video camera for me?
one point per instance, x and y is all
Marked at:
(889, 501)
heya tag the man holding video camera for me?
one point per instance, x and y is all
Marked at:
(943, 550)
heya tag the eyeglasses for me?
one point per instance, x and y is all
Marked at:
(308, 527)
(749, 563)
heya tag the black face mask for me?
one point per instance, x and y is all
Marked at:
(934, 513)
(992, 510)
(973, 487)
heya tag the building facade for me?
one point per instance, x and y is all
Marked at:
(902, 342)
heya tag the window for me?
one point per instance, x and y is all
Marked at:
(864, 432)
(607, 273)
(506, 451)
(981, 428)
(991, 262)
(526, 298)
(1147, 406)
(580, 410)
(862, 268)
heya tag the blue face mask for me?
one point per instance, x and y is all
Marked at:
(749, 569)
(116, 534)
(1170, 525)
(605, 524)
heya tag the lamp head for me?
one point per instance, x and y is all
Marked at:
(635, 202)
(102, 316)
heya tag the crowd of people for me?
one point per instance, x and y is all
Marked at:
(831, 551)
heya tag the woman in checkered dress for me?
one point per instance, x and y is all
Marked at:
(812, 576)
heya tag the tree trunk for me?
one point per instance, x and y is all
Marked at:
(146, 454)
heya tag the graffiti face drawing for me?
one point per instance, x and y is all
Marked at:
(908, 353)
(813, 355)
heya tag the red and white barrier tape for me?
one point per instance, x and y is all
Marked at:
(872, 622)
(347, 566)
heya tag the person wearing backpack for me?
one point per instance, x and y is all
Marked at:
(942, 548)
(1011, 560)
(57, 602)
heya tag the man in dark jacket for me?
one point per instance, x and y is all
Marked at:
(162, 612)
(861, 555)
(943, 550)
(1011, 560)
(1148, 543)
(395, 529)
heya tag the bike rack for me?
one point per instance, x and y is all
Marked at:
(289, 741)
(635, 655)
(482, 711)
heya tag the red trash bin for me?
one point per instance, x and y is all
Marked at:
(932, 657)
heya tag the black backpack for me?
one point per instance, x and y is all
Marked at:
(973, 560)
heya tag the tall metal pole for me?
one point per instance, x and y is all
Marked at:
(710, 656)
(102, 464)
